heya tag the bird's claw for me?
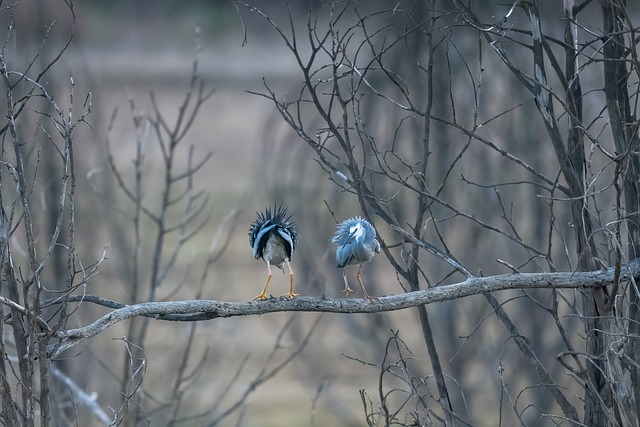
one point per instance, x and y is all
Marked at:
(346, 291)
(290, 295)
(260, 297)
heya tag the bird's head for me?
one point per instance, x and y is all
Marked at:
(356, 232)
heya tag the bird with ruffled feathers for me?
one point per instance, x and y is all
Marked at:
(357, 244)
(274, 238)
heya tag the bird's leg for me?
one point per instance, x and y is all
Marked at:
(346, 289)
(290, 294)
(364, 291)
(263, 294)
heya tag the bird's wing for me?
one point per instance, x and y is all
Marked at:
(356, 252)
(289, 237)
(261, 239)
(376, 246)
(344, 253)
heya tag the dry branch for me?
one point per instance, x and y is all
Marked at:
(197, 310)
(82, 397)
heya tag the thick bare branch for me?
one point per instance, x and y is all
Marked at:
(211, 309)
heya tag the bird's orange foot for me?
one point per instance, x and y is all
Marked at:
(290, 295)
(260, 297)
(346, 291)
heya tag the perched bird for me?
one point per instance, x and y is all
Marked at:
(274, 238)
(357, 244)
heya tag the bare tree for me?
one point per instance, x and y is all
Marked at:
(495, 150)
(26, 257)
(156, 274)
(412, 97)
(39, 301)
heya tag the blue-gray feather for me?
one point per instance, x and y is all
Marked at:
(269, 222)
(261, 238)
(356, 240)
(290, 236)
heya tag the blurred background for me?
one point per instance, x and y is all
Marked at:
(124, 51)
(136, 59)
